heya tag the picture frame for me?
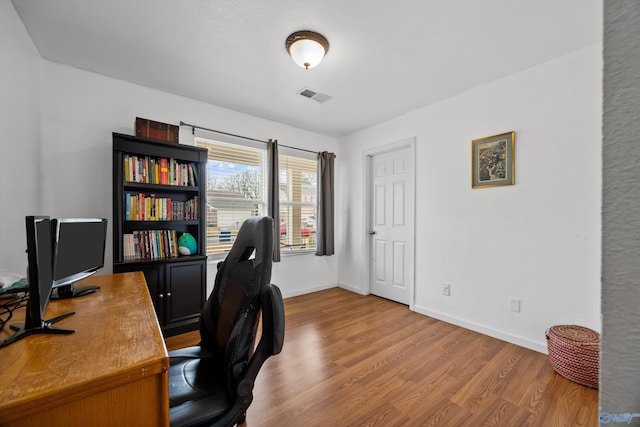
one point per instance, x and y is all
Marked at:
(493, 160)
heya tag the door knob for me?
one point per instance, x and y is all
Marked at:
(372, 232)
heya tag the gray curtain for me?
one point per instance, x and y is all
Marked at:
(324, 229)
(273, 198)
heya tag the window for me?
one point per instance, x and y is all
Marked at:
(298, 202)
(236, 190)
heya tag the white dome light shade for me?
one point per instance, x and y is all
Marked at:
(306, 53)
(307, 48)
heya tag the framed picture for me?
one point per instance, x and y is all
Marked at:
(493, 160)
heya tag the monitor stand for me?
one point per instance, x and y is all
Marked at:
(44, 328)
(70, 291)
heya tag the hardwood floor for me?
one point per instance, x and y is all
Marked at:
(352, 360)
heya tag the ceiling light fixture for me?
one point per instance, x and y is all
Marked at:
(307, 48)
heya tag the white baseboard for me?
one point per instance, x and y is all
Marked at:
(540, 347)
(352, 288)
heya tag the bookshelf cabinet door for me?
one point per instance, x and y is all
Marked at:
(185, 293)
(154, 279)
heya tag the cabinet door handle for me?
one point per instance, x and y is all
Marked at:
(168, 294)
(161, 296)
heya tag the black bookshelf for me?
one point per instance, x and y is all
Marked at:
(171, 179)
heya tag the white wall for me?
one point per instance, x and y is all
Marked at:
(538, 240)
(20, 130)
(80, 110)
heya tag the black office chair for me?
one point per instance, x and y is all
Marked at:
(212, 384)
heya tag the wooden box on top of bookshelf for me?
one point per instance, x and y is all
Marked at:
(159, 131)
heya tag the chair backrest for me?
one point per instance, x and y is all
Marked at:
(229, 319)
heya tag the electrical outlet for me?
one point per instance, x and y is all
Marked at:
(446, 289)
(514, 304)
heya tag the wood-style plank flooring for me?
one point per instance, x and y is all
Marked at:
(352, 360)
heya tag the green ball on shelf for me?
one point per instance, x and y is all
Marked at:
(187, 244)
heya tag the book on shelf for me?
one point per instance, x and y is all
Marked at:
(162, 170)
(150, 245)
(149, 207)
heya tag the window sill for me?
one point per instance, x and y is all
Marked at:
(215, 259)
(295, 253)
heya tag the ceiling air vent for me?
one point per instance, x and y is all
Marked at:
(312, 94)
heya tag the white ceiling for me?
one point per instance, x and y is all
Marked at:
(385, 58)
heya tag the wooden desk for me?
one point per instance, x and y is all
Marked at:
(113, 371)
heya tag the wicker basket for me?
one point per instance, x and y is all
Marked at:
(574, 353)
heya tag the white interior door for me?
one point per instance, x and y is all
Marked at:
(391, 225)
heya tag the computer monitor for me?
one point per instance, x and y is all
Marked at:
(39, 277)
(78, 252)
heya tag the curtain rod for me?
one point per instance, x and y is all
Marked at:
(194, 127)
